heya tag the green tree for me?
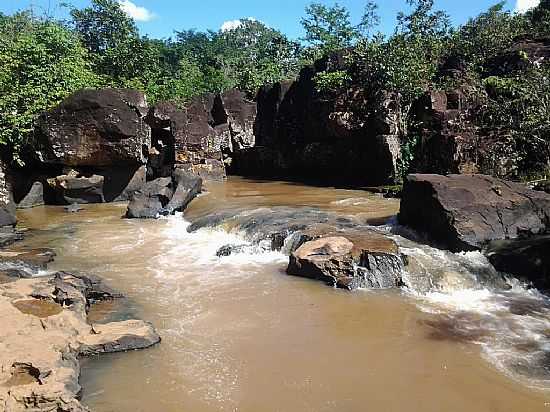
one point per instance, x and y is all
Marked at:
(42, 63)
(327, 29)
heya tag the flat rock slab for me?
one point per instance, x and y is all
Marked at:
(466, 212)
(44, 331)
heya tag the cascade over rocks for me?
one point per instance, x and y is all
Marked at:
(372, 260)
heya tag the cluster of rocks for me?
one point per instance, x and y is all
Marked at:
(45, 330)
(109, 145)
(343, 252)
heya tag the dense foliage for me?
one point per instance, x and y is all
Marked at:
(42, 61)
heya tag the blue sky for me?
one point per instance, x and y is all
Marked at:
(159, 18)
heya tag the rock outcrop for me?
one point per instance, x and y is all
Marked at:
(466, 212)
(304, 133)
(43, 333)
(93, 133)
(201, 136)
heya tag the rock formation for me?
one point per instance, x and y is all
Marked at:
(164, 196)
(301, 132)
(507, 220)
(43, 333)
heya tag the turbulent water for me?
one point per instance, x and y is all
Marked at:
(241, 335)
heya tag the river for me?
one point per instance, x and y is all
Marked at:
(240, 335)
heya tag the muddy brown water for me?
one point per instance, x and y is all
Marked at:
(240, 335)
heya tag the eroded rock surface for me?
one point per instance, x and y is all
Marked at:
(44, 330)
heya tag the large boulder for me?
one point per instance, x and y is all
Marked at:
(149, 202)
(7, 204)
(96, 128)
(467, 212)
(366, 260)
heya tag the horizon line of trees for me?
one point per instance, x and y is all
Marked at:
(43, 60)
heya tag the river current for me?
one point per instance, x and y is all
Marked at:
(240, 335)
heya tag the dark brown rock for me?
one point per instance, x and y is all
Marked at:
(96, 128)
(467, 212)
(349, 260)
(75, 188)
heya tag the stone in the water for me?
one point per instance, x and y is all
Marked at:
(74, 208)
(75, 188)
(349, 261)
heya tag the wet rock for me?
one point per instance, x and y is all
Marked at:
(229, 250)
(9, 235)
(44, 331)
(150, 201)
(7, 204)
(529, 259)
(349, 261)
(118, 337)
(30, 262)
(188, 186)
(165, 196)
(35, 197)
(96, 128)
(466, 212)
(74, 208)
(75, 188)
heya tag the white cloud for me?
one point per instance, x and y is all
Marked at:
(234, 24)
(135, 12)
(523, 5)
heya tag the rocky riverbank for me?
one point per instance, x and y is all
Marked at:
(45, 331)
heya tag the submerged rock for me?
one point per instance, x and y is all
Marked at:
(467, 212)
